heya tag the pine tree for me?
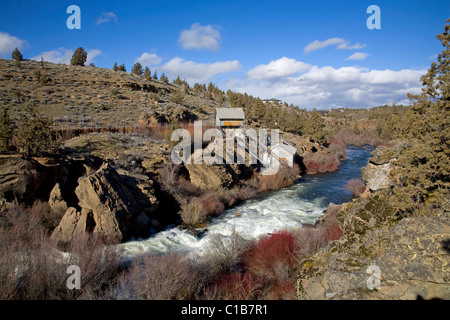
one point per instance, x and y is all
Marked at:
(164, 78)
(122, 68)
(115, 67)
(155, 75)
(178, 81)
(147, 74)
(79, 57)
(137, 69)
(17, 55)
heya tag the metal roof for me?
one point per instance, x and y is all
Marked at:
(285, 146)
(230, 113)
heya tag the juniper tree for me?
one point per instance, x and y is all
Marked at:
(164, 78)
(17, 55)
(35, 133)
(137, 69)
(79, 57)
(147, 73)
(421, 175)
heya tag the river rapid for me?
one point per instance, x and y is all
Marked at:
(288, 208)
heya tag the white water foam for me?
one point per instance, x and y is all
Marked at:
(281, 210)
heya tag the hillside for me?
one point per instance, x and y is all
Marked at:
(75, 96)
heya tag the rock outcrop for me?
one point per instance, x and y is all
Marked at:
(57, 202)
(110, 206)
(409, 257)
(25, 180)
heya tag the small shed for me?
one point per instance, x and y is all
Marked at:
(229, 117)
(282, 151)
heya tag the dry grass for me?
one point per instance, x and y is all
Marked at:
(32, 267)
(193, 213)
(161, 277)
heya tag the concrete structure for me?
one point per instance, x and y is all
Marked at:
(229, 117)
(280, 152)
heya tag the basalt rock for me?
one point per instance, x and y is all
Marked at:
(117, 207)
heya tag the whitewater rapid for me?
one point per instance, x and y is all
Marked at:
(289, 208)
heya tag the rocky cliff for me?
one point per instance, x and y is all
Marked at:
(410, 256)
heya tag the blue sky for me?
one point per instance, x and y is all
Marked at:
(310, 53)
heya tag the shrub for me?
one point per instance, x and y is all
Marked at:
(31, 267)
(267, 255)
(177, 97)
(319, 162)
(337, 147)
(223, 254)
(286, 176)
(161, 277)
(355, 186)
(6, 130)
(193, 213)
(236, 286)
(36, 134)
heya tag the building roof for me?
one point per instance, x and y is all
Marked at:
(286, 147)
(230, 113)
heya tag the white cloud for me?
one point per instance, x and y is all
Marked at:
(63, 55)
(60, 55)
(107, 17)
(92, 54)
(347, 46)
(325, 87)
(277, 68)
(342, 45)
(358, 56)
(8, 43)
(149, 59)
(197, 72)
(200, 37)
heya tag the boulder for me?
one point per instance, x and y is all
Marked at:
(25, 181)
(72, 222)
(56, 201)
(114, 204)
(376, 177)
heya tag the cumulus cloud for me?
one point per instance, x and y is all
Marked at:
(8, 43)
(341, 43)
(60, 55)
(197, 72)
(149, 59)
(325, 87)
(277, 68)
(63, 55)
(200, 37)
(92, 54)
(107, 17)
(358, 56)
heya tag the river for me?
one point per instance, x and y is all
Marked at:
(288, 208)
